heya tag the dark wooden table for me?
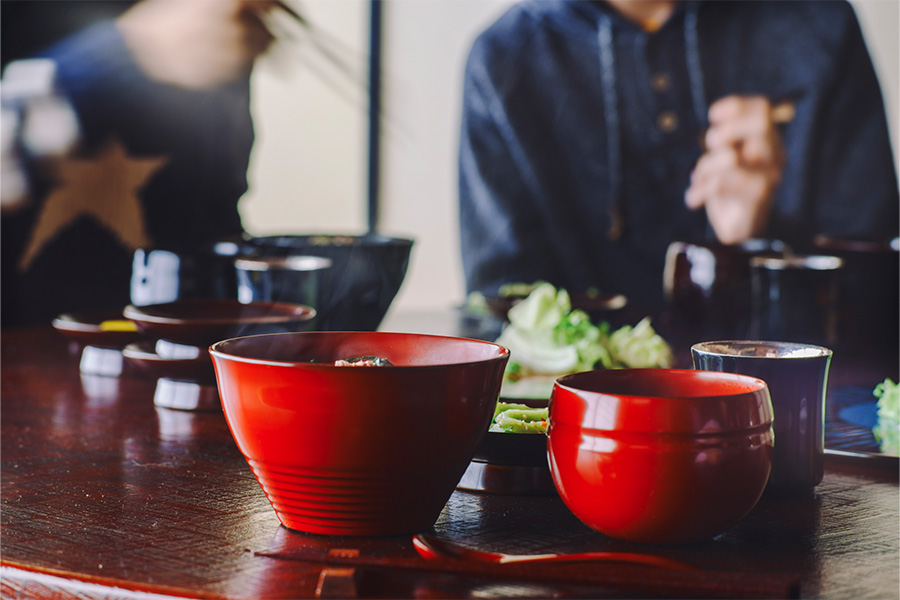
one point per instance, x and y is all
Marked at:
(105, 495)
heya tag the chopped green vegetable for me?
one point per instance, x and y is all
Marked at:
(640, 347)
(477, 304)
(546, 339)
(887, 429)
(545, 336)
(519, 418)
(513, 290)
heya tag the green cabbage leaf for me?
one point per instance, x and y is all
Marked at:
(887, 427)
(547, 339)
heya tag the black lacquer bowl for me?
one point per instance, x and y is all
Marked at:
(365, 275)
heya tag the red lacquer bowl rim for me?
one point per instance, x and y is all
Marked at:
(595, 400)
(572, 380)
(219, 350)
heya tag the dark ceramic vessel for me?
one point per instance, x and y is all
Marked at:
(93, 329)
(797, 376)
(707, 285)
(365, 275)
(293, 279)
(194, 367)
(868, 294)
(179, 272)
(203, 322)
(101, 335)
(795, 298)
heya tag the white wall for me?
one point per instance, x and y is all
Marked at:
(308, 167)
(426, 44)
(880, 22)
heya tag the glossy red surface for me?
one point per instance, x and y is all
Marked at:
(204, 322)
(660, 456)
(358, 450)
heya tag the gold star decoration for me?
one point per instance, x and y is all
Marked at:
(105, 187)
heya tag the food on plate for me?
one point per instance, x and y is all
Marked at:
(332, 240)
(887, 428)
(592, 300)
(118, 325)
(511, 417)
(512, 290)
(363, 361)
(547, 339)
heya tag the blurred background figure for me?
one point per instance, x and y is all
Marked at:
(596, 133)
(133, 131)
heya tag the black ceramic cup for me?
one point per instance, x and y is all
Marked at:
(797, 376)
(181, 272)
(707, 285)
(795, 298)
(869, 294)
(293, 279)
(365, 276)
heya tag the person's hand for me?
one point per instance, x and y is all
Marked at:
(737, 176)
(196, 44)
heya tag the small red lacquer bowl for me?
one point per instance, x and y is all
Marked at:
(358, 450)
(660, 456)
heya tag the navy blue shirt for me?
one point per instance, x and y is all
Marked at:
(573, 114)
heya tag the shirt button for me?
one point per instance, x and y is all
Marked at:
(659, 82)
(667, 121)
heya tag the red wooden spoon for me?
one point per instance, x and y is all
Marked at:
(430, 547)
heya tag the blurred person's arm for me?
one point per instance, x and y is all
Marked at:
(197, 44)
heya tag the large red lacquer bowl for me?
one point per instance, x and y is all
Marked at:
(358, 450)
(660, 456)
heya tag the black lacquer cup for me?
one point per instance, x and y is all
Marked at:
(796, 298)
(797, 376)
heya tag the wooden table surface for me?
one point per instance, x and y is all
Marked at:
(105, 495)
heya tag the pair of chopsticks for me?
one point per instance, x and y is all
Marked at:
(345, 70)
(329, 48)
(631, 580)
(782, 111)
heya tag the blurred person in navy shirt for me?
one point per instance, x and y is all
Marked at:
(596, 133)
